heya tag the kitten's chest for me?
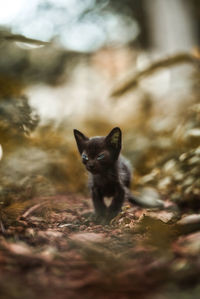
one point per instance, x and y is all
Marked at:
(107, 185)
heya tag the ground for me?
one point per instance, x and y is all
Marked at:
(56, 250)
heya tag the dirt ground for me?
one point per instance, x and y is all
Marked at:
(55, 250)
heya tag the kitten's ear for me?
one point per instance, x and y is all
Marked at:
(114, 140)
(80, 140)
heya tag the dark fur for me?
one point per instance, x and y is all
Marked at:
(110, 176)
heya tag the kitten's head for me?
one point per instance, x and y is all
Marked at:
(99, 153)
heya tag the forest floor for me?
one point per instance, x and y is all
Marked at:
(55, 250)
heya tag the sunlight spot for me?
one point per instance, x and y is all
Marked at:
(10, 9)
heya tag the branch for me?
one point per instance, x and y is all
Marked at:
(32, 209)
(132, 81)
(21, 38)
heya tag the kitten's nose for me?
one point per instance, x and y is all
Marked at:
(90, 166)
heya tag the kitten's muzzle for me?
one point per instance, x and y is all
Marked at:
(90, 166)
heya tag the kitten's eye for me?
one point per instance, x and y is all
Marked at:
(84, 157)
(101, 156)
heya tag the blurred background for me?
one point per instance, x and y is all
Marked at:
(93, 65)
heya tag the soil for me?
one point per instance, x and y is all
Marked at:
(56, 250)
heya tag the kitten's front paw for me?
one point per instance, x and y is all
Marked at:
(98, 219)
(110, 215)
(103, 220)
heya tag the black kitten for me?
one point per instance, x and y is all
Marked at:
(110, 172)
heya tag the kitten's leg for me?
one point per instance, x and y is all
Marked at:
(99, 205)
(116, 204)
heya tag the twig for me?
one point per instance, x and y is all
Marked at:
(3, 230)
(132, 81)
(32, 209)
(22, 39)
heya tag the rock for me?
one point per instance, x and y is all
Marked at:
(164, 216)
(188, 245)
(191, 219)
(49, 234)
(189, 223)
(18, 248)
(48, 254)
(87, 237)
